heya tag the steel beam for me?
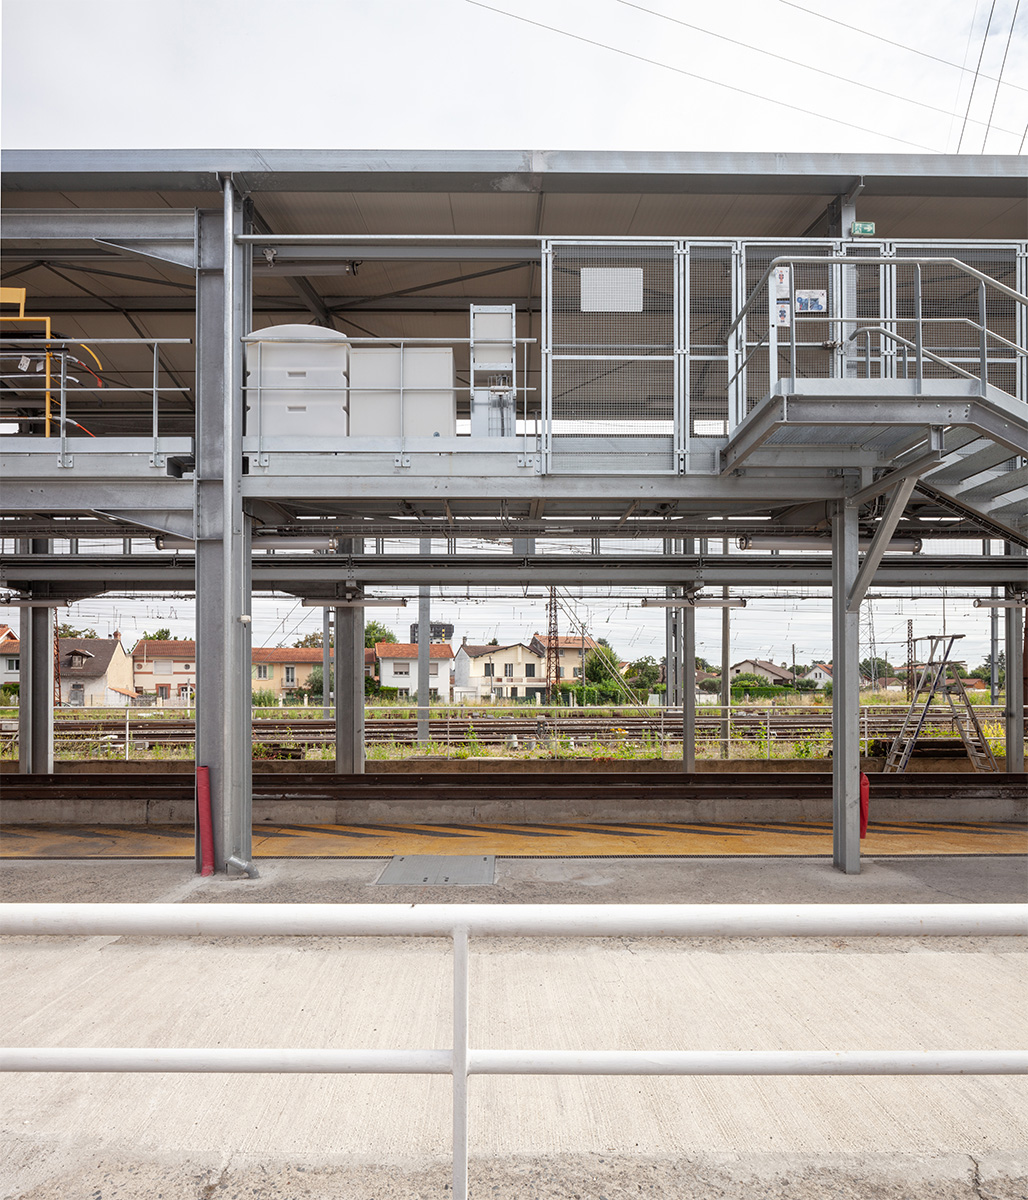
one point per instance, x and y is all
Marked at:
(879, 543)
(176, 225)
(845, 695)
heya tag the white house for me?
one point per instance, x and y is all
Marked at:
(776, 676)
(819, 673)
(398, 668)
(571, 655)
(165, 668)
(511, 672)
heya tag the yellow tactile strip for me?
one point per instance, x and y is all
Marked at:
(516, 841)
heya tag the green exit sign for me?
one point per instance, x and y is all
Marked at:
(862, 229)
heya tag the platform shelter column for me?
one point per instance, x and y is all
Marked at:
(222, 536)
(349, 690)
(845, 694)
(36, 692)
(1016, 664)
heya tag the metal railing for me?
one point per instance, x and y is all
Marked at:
(460, 923)
(59, 349)
(783, 317)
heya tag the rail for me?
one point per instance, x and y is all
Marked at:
(782, 314)
(27, 350)
(460, 923)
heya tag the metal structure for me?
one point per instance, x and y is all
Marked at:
(662, 381)
(460, 923)
(939, 677)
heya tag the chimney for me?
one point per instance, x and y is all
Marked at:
(117, 635)
(464, 640)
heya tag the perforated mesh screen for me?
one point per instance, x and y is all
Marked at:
(613, 342)
(950, 301)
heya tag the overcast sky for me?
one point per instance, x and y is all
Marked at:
(605, 75)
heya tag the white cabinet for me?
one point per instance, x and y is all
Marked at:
(302, 372)
(408, 392)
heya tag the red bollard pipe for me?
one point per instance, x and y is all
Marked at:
(865, 797)
(206, 825)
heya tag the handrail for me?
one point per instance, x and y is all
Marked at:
(459, 922)
(846, 260)
(944, 362)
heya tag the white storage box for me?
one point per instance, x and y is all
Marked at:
(302, 382)
(429, 400)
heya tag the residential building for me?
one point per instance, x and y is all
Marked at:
(438, 631)
(95, 672)
(510, 672)
(398, 667)
(283, 669)
(370, 663)
(776, 676)
(571, 655)
(819, 673)
(165, 669)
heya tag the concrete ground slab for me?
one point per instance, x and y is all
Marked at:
(106, 1137)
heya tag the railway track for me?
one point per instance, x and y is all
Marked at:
(746, 725)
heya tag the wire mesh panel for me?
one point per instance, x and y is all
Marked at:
(612, 312)
(950, 308)
(710, 310)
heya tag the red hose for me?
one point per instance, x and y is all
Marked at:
(865, 797)
(203, 813)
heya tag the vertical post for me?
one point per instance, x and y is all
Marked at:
(222, 535)
(326, 663)
(983, 340)
(726, 669)
(1014, 682)
(349, 691)
(36, 689)
(460, 1064)
(845, 695)
(994, 651)
(689, 681)
(424, 652)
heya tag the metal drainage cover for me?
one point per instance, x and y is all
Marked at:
(461, 870)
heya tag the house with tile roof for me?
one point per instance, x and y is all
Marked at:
(165, 669)
(776, 676)
(283, 669)
(571, 654)
(95, 672)
(819, 673)
(398, 667)
(512, 672)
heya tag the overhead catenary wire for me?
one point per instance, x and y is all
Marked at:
(653, 62)
(999, 81)
(977, 71)
(889, 42)
(806, 66)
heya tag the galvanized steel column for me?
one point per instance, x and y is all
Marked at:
(845, 695)
(36, 692)
(424, 652)
(349, 690)
(222, 535)
(1015, 659)
(688, 628)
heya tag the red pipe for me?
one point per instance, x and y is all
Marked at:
(206, 825)
(865, 797)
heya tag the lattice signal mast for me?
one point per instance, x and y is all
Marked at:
(552, 647)
(57, 666)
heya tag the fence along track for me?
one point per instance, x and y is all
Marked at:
(748, 724)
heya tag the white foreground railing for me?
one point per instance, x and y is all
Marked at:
(460, 922)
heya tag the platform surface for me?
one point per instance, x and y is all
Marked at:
(515, 841)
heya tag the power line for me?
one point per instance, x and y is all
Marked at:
(888, 41)
(807, 66)
(1002, 68)
(764, 99)
(974, 82)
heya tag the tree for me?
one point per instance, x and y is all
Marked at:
(158, 635)
(710, 685)
(643, 674)
(313, 685)
(493, 642)
(703, 665)
(309, 641)
(64, 630)
(748, 679)
(601, 665)
(985, 670)
(876, 668)
(375, 631)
